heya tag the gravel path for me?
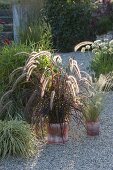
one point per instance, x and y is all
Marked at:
(80, 152)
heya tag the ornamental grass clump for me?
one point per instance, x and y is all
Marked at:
(57, 92)
(24, 86)
(92, 107)
(54, 89)
(16, 139)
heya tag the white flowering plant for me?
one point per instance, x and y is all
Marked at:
(102, 62)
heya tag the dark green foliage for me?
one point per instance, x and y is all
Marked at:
(102, 19)
(104, 25)
(70, 22)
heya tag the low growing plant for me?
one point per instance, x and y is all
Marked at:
(16, 138)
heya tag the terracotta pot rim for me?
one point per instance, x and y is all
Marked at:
(93, 121)
(58, 123)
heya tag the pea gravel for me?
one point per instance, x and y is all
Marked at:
(80, 152)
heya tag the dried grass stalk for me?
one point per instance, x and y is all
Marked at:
(5, 96)
(19, 80)
(52, 99)
(11, 76)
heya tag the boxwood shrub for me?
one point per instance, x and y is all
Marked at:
(70, 22)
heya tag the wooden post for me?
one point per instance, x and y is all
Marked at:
(21, 11)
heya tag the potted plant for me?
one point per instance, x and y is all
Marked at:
(56, 92)
(91, 112)
(58, 96)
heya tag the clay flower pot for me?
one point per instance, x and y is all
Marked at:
(93, 128)
(57, 133)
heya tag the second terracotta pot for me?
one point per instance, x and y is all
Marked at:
(93, 128)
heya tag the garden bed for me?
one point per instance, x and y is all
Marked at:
(80, 152)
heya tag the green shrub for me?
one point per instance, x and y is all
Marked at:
(70, 22)
(104, 25)
(22, 94)
(9, 61)
(16, 138)
(102, 62)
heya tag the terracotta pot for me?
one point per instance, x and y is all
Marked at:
(57, 133)
(92, 128)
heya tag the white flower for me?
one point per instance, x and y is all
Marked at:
(106, 40)
(97, 42)
(95, 51)
(110, 49)
(83, 49)
(87, 47)
(102, 45)
(111, 43)
(104, 48)
(71, 64)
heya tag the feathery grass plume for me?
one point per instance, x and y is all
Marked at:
(31, 55)
(101, 82)
(5, 96)
(30, 64)
(71, 89)
(84, 43)
(52, 99)
(105, 82)
(40, 54)
(73, 80)
(30, 70)
(29, 105)
(109, 82)
(89, 78)
(43, 77)
(86, 82)
(71, 64)
(44, 85)
(19, 79)
(57, 59)
(11, 76)
(5, 107)
(76, 69)
(22, 53)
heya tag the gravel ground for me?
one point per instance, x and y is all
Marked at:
(80, 152)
